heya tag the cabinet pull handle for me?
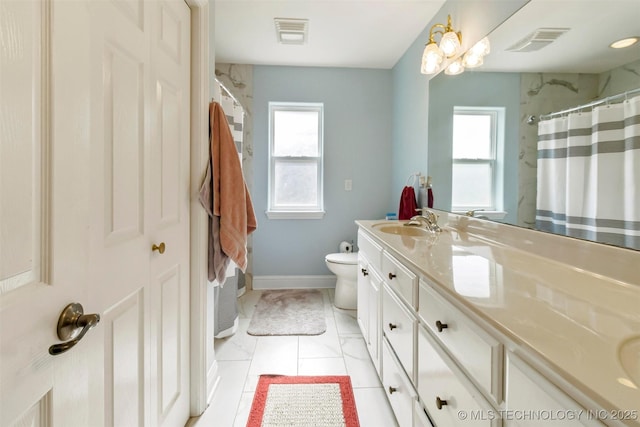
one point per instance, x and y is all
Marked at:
(364, 272)
(392, 390)
(441, 325)
(392, 326)
(391, 276)
(440, 403)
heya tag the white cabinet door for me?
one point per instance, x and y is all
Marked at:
(375, 326)
(369, 305)
(363, 297)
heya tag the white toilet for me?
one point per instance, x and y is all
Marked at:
(345, 267)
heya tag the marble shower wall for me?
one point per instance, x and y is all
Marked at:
(620, 80)
(238, 79)
(542, 93)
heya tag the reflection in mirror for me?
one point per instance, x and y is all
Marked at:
(543, 77)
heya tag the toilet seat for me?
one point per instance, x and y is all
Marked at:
(350, 258)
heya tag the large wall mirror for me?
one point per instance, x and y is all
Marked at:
(568, 64)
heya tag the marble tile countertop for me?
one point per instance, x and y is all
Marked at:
(552, 297)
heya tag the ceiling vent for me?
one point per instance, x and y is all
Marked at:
(538, 39)
(291, 31)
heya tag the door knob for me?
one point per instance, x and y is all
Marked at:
(73, 324)
(392, 326)
(391, 276)
(392, 390)
(160, 248)
(364, 272)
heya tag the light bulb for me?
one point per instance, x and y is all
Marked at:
(429, 67)
(431, 59)
(454, 68)
(483, 47)
(450, 44)
(472, 60)
(432, 54)
(621, 44)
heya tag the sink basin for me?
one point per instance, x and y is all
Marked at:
(629, 355)
(402, 230)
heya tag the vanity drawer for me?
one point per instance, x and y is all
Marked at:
(396, 385)
(476, 351)
(400, 279)
(527, 391)
(371, 250)
(449, 398)
(399, 327)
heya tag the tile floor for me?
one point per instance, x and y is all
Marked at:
(339, 351)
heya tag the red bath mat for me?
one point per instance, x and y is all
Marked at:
(303, 401)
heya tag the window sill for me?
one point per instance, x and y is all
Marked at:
(495, 215)
(295, 214)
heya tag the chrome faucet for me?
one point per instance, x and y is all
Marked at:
(472, 213)
(427, 217)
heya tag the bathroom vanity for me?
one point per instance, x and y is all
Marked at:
(486, 324)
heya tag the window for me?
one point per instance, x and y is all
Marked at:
(295, 161)
(477, 168)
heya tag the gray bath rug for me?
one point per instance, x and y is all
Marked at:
(289, 312)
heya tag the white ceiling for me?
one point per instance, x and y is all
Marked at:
(376, 33)
(594, 24)
(342, 33)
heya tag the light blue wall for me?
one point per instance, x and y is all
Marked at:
(410, 121)
(357, 146)
(376, 133)
(411, 92)
(473, 89)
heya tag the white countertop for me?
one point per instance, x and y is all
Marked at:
(572, 320)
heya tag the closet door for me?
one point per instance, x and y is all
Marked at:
(140, 220)
(94, 168)
(45, 192)
(168, 212)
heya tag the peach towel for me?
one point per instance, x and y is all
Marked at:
(231, 199)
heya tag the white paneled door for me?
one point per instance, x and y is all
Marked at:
(94, 181)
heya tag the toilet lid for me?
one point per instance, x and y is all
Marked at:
(340, 258)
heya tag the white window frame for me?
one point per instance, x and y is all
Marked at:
(495, 162)
(296, 212)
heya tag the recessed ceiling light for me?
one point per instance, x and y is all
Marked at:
(620, 44)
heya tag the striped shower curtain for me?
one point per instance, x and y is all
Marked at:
(589, 174)
(235, 117)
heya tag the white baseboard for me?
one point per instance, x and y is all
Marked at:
(294, 282)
